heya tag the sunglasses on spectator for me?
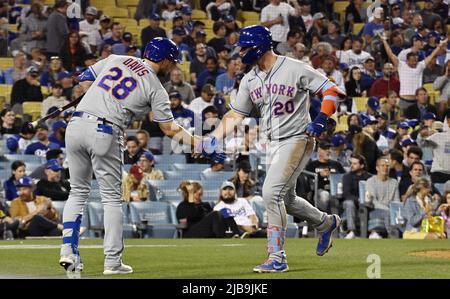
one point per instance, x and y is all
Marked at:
(55, 58)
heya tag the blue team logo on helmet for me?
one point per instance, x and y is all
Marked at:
(258, 38)
(161, 48)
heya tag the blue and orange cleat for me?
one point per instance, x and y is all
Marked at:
(271, 266)
(326, 238)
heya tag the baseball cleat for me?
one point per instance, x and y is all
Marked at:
(271, 266)
(121, 269)
(71, 263)
(326, 238)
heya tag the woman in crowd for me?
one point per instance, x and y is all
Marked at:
(49, 77)
(8, 118)
(18, 169)
(73, 53)
(245, 186)
(444, 210)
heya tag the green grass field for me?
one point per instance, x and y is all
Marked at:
(230, 258)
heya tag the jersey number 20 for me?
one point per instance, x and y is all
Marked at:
(122, 90)
(280, 108)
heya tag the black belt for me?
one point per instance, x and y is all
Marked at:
(284, 138)
(82, 114)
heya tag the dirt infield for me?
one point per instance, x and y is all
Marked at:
(433, 253)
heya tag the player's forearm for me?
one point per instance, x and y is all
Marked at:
(230, 120)
(177, 132)
(85, 85)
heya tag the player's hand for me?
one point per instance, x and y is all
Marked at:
(318, 126)
(209, 149)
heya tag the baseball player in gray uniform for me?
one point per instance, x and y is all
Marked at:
(279, 87)
(118, 88)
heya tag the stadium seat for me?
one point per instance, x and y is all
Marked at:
(250, 23)
(213, 183)
(185, 69)
(30, 167)
(59, 206)
(219, 176)
(6, 63)
(132, 11)
(199, 15)
(339, 7)
(115, 12)
(357, 28)
(421, 4)
(182, 175)
(359, 104)
(397, 214)
(32, 108)
(126, 3)
(249, 16)
(25, 158)
(100, 4)
(161, 188)
(154, 219)
(335, 179)
(363, 211)
(127, 23)
(189, 167)
(170, 159)
(342, 125)
(96, 223)
(208, 24)
(440, 188)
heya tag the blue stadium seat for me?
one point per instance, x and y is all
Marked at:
(95, 195)
(170, 159)
(26, 158)
(182, 175)
(212, 184)
(397, 214)
(30, 167)
(362, 191)
(335, 178)
(218, 176)
(156, 216)
(189, 167)
(440, 188)
(95, 210)
(160, 188)
(163, 167)
(59, 206)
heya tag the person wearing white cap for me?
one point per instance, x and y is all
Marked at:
(375, 26)
(90, 22)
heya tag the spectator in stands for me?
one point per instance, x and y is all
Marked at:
(373, 104)
(353, 119)
(299, 53)
(177, 83)
(412, 153)
(7, 223)
(96, 37)
(190, 38)
(57, 28)
(353, 86)
(152, 30)
(219, 9)
(32, 30)
(334, 36)
(182, 116)
(275, 17)
(245, 186)
(350, 189)
(40, 147)
(178, 35)
(52, 186)
(418, 205)
(380, 192)
(50, 76)
(410, 73)
(143, 138)
(321, 50)
(356, 56)
(340, 152)
(375, 26)
(55, 100)
(398, 171)
(442, 84)
(18, 169)
(204, 100)
(198, 63)
(388, 82)
(73, 52)
(37, 215)
(293, 37)
(59, 133)
(199, 218)
(17, 144)
(422, 106)
(414, 27)
(365, 145)
(218, 41)
(133, 151)
(186, 13)
(38, 59)
(225, 81)
(440, 169)
(441, 8)
(134, 187)
(105, 51)
(8, 117)
(354, 13)
(428, 16)
(209, 75)
(417, 171)
(19, 69)
(146, 163)
(210, 120)
(116, 34)
(369, 74)
(243, 213)
(169, 13)
(432, 71)
(444, 210)
(217, 165)
(90, 22)
(178, 23)
(127, 41)
(52, 154)
(26, 90)
(328, 69)
(323, 167)
(391, 109)
(231, 25)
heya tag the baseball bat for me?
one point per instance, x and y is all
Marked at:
(57, 112)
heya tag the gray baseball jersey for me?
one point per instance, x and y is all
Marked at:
(125, 87)
(282, 96)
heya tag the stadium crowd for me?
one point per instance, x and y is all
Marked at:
(390, 136)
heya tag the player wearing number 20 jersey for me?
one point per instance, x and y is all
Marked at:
(122, 89)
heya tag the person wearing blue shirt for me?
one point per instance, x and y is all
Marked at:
(17, 171)
(59, 132)
(369, 74)
(375, 26)
(116, 34)
(127, 41)
(225, 81)
(178, 35)
(184, 117)
(43, 144)
(210, 74)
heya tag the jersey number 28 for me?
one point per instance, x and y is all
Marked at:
(122, 90)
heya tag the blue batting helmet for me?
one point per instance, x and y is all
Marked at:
(258, 38)
(161, 48)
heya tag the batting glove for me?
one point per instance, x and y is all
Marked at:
(318, 126)
(209, 149)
